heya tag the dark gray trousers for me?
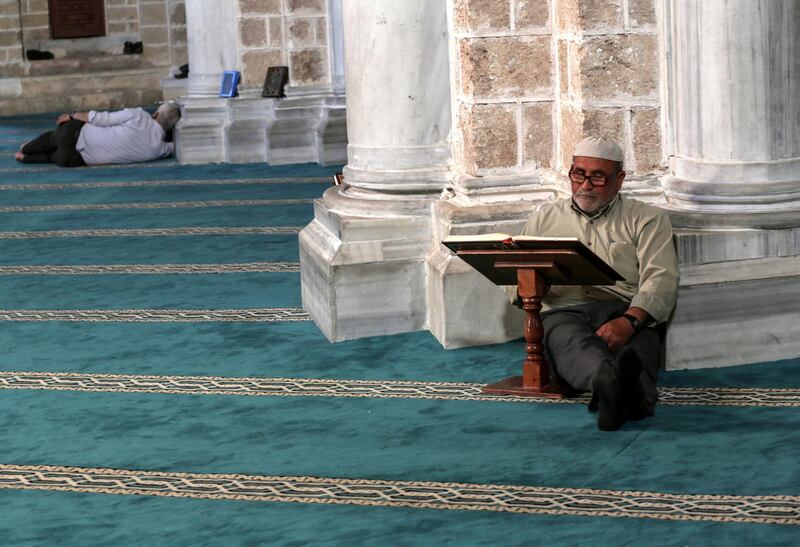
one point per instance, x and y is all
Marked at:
(57, 146)
(576, 352)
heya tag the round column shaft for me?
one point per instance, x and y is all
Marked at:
(735, 101)
(398, 94)
(211, 35)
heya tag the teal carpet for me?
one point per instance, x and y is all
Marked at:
(161, 385)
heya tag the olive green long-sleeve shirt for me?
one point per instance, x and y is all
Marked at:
(631, 236)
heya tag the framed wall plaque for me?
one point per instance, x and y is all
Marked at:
(276, 79)
(77, 18)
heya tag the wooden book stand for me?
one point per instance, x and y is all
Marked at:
(534, 264)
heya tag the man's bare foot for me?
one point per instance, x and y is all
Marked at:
(19, 156)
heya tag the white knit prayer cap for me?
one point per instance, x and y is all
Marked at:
(598, 147)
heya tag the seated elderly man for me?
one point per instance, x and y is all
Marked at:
(95, 138)
(603, 339)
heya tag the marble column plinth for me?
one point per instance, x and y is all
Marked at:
(736, 295)
(200, 133)
(246, 129)
(362, 267)
(363, 258)
(736, 312)
(308, 129)
(737, 291)
(465, 308)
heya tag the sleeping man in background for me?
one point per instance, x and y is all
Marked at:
(97, 138)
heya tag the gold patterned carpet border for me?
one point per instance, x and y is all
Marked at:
(415, 494)
(159, 183)
(377, 389)
(140, 269)
(155, 232)
(55, 168)
(154, 205)
(246, 315)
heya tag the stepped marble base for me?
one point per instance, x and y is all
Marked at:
(200, 133)
(249, 129)
(465, 308)
(363, 274)
(738, 299)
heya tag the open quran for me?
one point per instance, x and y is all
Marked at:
(562, 260)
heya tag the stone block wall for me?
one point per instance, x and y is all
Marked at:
(284, 32)
(610, 77)
(89, 72)
(154, 31)
(11, 57)
(35, 20)
(503, 85)
(532, 77)
(159, 24)
(122, 18)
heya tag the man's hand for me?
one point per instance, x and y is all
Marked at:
(80, 116)
(616, 333)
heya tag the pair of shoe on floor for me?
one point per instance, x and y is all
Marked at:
(617, 392)
(39, 55)
(133, 47)
(184, 72)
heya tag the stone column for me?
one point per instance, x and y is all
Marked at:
(12, 61)
(336, 45)
(363, 256)
(211, 33)
(733, 137)
(734, 99)
(212, 39)
(398, 101)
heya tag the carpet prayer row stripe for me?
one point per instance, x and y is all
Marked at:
(154, 205)
(154, 232)
(416, 494)
(374, 389)
(159, 183)
(54, 168)
(248, 315)
(138, 269)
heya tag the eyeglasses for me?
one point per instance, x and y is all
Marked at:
(594, 180)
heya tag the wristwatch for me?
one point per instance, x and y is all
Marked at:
(634, 321)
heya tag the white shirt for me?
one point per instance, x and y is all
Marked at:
(124, 136)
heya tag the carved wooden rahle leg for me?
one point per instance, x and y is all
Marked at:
(536, 379)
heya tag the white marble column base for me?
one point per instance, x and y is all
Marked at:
(249, 120)
(249, 129)
(735, 313)
(363, 274)
(465, 308)
(200, 133)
